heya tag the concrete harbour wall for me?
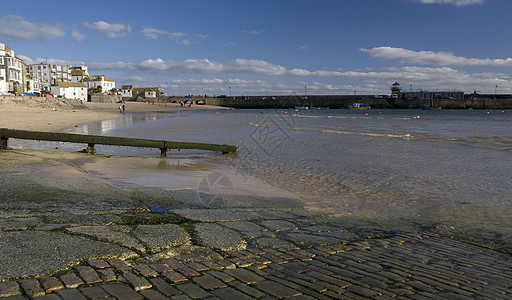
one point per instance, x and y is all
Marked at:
(345, 101)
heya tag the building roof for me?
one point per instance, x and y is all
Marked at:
(70, 84)
(127, 87)
(78, 72)
(97, 78)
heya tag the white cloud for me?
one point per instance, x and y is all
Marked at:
(434, 58)
(185, 42)
(257, 66)
(253, 32)
(202, 36)
(111, 30)
(453, 2)
(77, 35)
(56, 61)
(155, 33)
(16, 27)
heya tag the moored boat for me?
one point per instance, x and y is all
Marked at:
(358, 106)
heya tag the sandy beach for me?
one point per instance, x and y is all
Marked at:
(46, 117)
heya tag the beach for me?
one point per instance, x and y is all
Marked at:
(199, 227)
(48, 117)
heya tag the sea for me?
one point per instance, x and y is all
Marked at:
(446, 171)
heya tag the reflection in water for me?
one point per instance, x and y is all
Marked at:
(103, 127)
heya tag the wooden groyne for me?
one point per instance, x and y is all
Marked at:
(92, 140)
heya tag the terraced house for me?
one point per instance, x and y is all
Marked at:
(50, 74)
(12, 71)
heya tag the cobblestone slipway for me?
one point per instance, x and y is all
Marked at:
(394, 266)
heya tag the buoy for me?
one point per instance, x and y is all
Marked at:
(366, 114)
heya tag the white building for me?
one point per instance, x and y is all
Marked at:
(99, 84)
(78, 74)
(3, 81)
(11, 71)
(33, 84)
(150, 92)
(127, 91)
(70, 90)
(50, 74)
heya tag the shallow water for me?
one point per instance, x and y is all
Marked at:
(448, 168)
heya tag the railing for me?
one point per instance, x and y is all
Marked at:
(92, 140)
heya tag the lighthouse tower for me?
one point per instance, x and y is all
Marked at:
(396, 90)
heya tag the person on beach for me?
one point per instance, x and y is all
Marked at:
(123, 107)
(120, 109)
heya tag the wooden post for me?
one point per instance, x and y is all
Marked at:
(90, 149)
(4, 143)
(163, 152)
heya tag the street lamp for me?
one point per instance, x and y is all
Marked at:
(229, 92)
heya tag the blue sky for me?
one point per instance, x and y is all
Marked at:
(274, 47)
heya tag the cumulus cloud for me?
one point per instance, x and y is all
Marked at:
(16, 27)
(111, 30)
(434, 58)
(452, 2)
(77, 35)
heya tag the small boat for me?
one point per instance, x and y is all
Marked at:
(426, 107)
(358, 106)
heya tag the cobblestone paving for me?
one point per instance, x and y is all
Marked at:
(397, 267)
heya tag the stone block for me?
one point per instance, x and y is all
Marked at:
(244, 275)
(88, 274)
(138, 283)
(32, 288)
(71, 281)
(208, 282)
(51, 284)
(193, 291)
(276, 289)
(121, 291)
(9, 288)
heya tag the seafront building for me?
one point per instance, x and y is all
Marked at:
(11, 71)
(70, 90)
(100, 84)
(16, 78)
(129, 92)
(33, 84)
(50, 74)
(78, 74)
